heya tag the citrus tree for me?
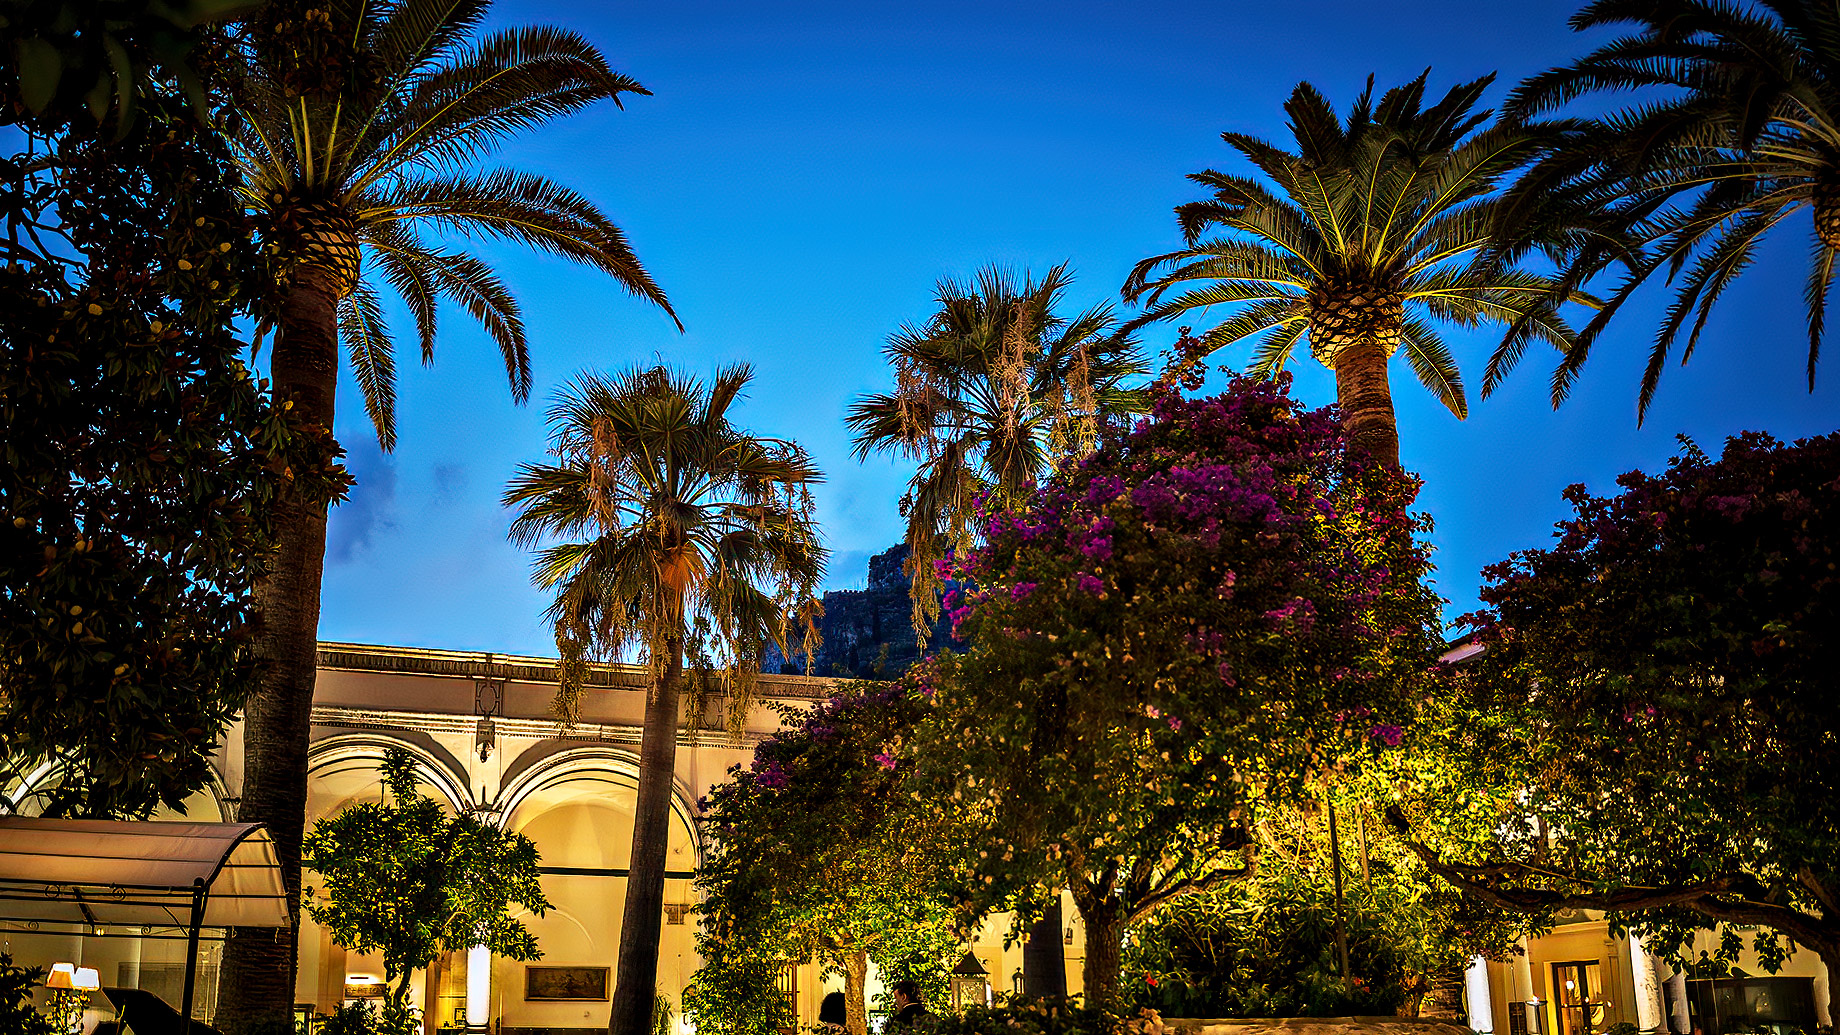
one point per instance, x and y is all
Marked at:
(407, 881)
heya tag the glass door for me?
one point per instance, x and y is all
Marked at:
(1578, 997)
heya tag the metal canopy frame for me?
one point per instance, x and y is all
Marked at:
(101, 873)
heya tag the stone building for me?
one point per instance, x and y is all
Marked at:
(481, 729)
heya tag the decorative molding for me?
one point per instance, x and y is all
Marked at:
(532, 729)
(480, 665)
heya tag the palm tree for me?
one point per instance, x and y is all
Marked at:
(356, 129)
(990, 392)
(1378, 227)
(686, 538)
(1736, 129)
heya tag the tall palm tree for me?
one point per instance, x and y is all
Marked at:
(1735, 129)
(357, 128)
(1377, 228)
(684, 537)
(990, 392)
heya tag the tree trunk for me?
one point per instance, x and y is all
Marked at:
(637, 975)
(1367, 402)
(256, 981)
(1103, 917)
(1445, 1003)
(1044, 963)
(855, 991)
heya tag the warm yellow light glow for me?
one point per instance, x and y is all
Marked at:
(63, 975)
(86, 980)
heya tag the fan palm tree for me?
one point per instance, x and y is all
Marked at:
(990, 392)
(1377, 228)
(685, 538)
(1736, 130)
(357, 127)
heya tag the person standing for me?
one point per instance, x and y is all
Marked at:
(911, 1015)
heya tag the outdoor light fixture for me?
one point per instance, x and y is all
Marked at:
(969, 984)
(1069, 938)
(488, 701)
(1015, 982)
(70, 987)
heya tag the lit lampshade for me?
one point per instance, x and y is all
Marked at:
(63, 975)
(86, 980)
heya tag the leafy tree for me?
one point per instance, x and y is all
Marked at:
(816, 849)
(357, 131)
(139, 459)
(404, 880)
(683, 536)
(17, 1015)
(1267, 946)
(1652, 713)
(1190, 623)
(1731, 131)
(991, 392)
(1379, 226)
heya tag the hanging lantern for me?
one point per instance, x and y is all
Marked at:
(970, 984)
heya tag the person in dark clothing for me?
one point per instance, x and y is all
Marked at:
(832, 1012)
(911, 1015)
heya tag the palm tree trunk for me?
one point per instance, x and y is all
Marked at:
(256, 981)
(1367, 402)
(639, 925)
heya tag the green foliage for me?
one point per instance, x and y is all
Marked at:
(1264, 949)
(139, 458)
(404, 880)
(1049, 1016)
(1266, 946)
(1381, 226)
(817, 849)
(91, 59)
(1192, 623)
(1713, 125)
(354, 1018)
(683, 534)
(992, 392)
(360, 126)
(1648, 729)
(17, 1014)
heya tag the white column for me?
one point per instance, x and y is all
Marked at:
(478, 987)
(1647, 986)
(1823, 981)
(1476, 990)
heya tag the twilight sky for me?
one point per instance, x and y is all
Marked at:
(806, 171)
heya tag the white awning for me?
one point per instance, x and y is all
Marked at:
(102, 873)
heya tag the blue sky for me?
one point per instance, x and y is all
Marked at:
(805, 172)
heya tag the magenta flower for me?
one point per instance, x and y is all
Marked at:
(1388, 735)
(1021, 590)
(885, 760)
(1091, 584)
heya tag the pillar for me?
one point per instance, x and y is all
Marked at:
(478, 987)
(1476, 990)
(1649, 1016)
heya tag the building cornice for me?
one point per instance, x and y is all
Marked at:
(523, 668)
(435, 724)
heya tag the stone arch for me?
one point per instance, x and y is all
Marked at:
(17, 794)
(546, 766)
(364, 749)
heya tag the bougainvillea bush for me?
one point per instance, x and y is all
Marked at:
(818, 850)
(1211, 611)
(1655, 703)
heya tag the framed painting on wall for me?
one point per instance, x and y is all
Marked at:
(580, 984)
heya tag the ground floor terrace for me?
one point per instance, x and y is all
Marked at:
(481, 727)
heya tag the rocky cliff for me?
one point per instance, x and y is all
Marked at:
(867, 633)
